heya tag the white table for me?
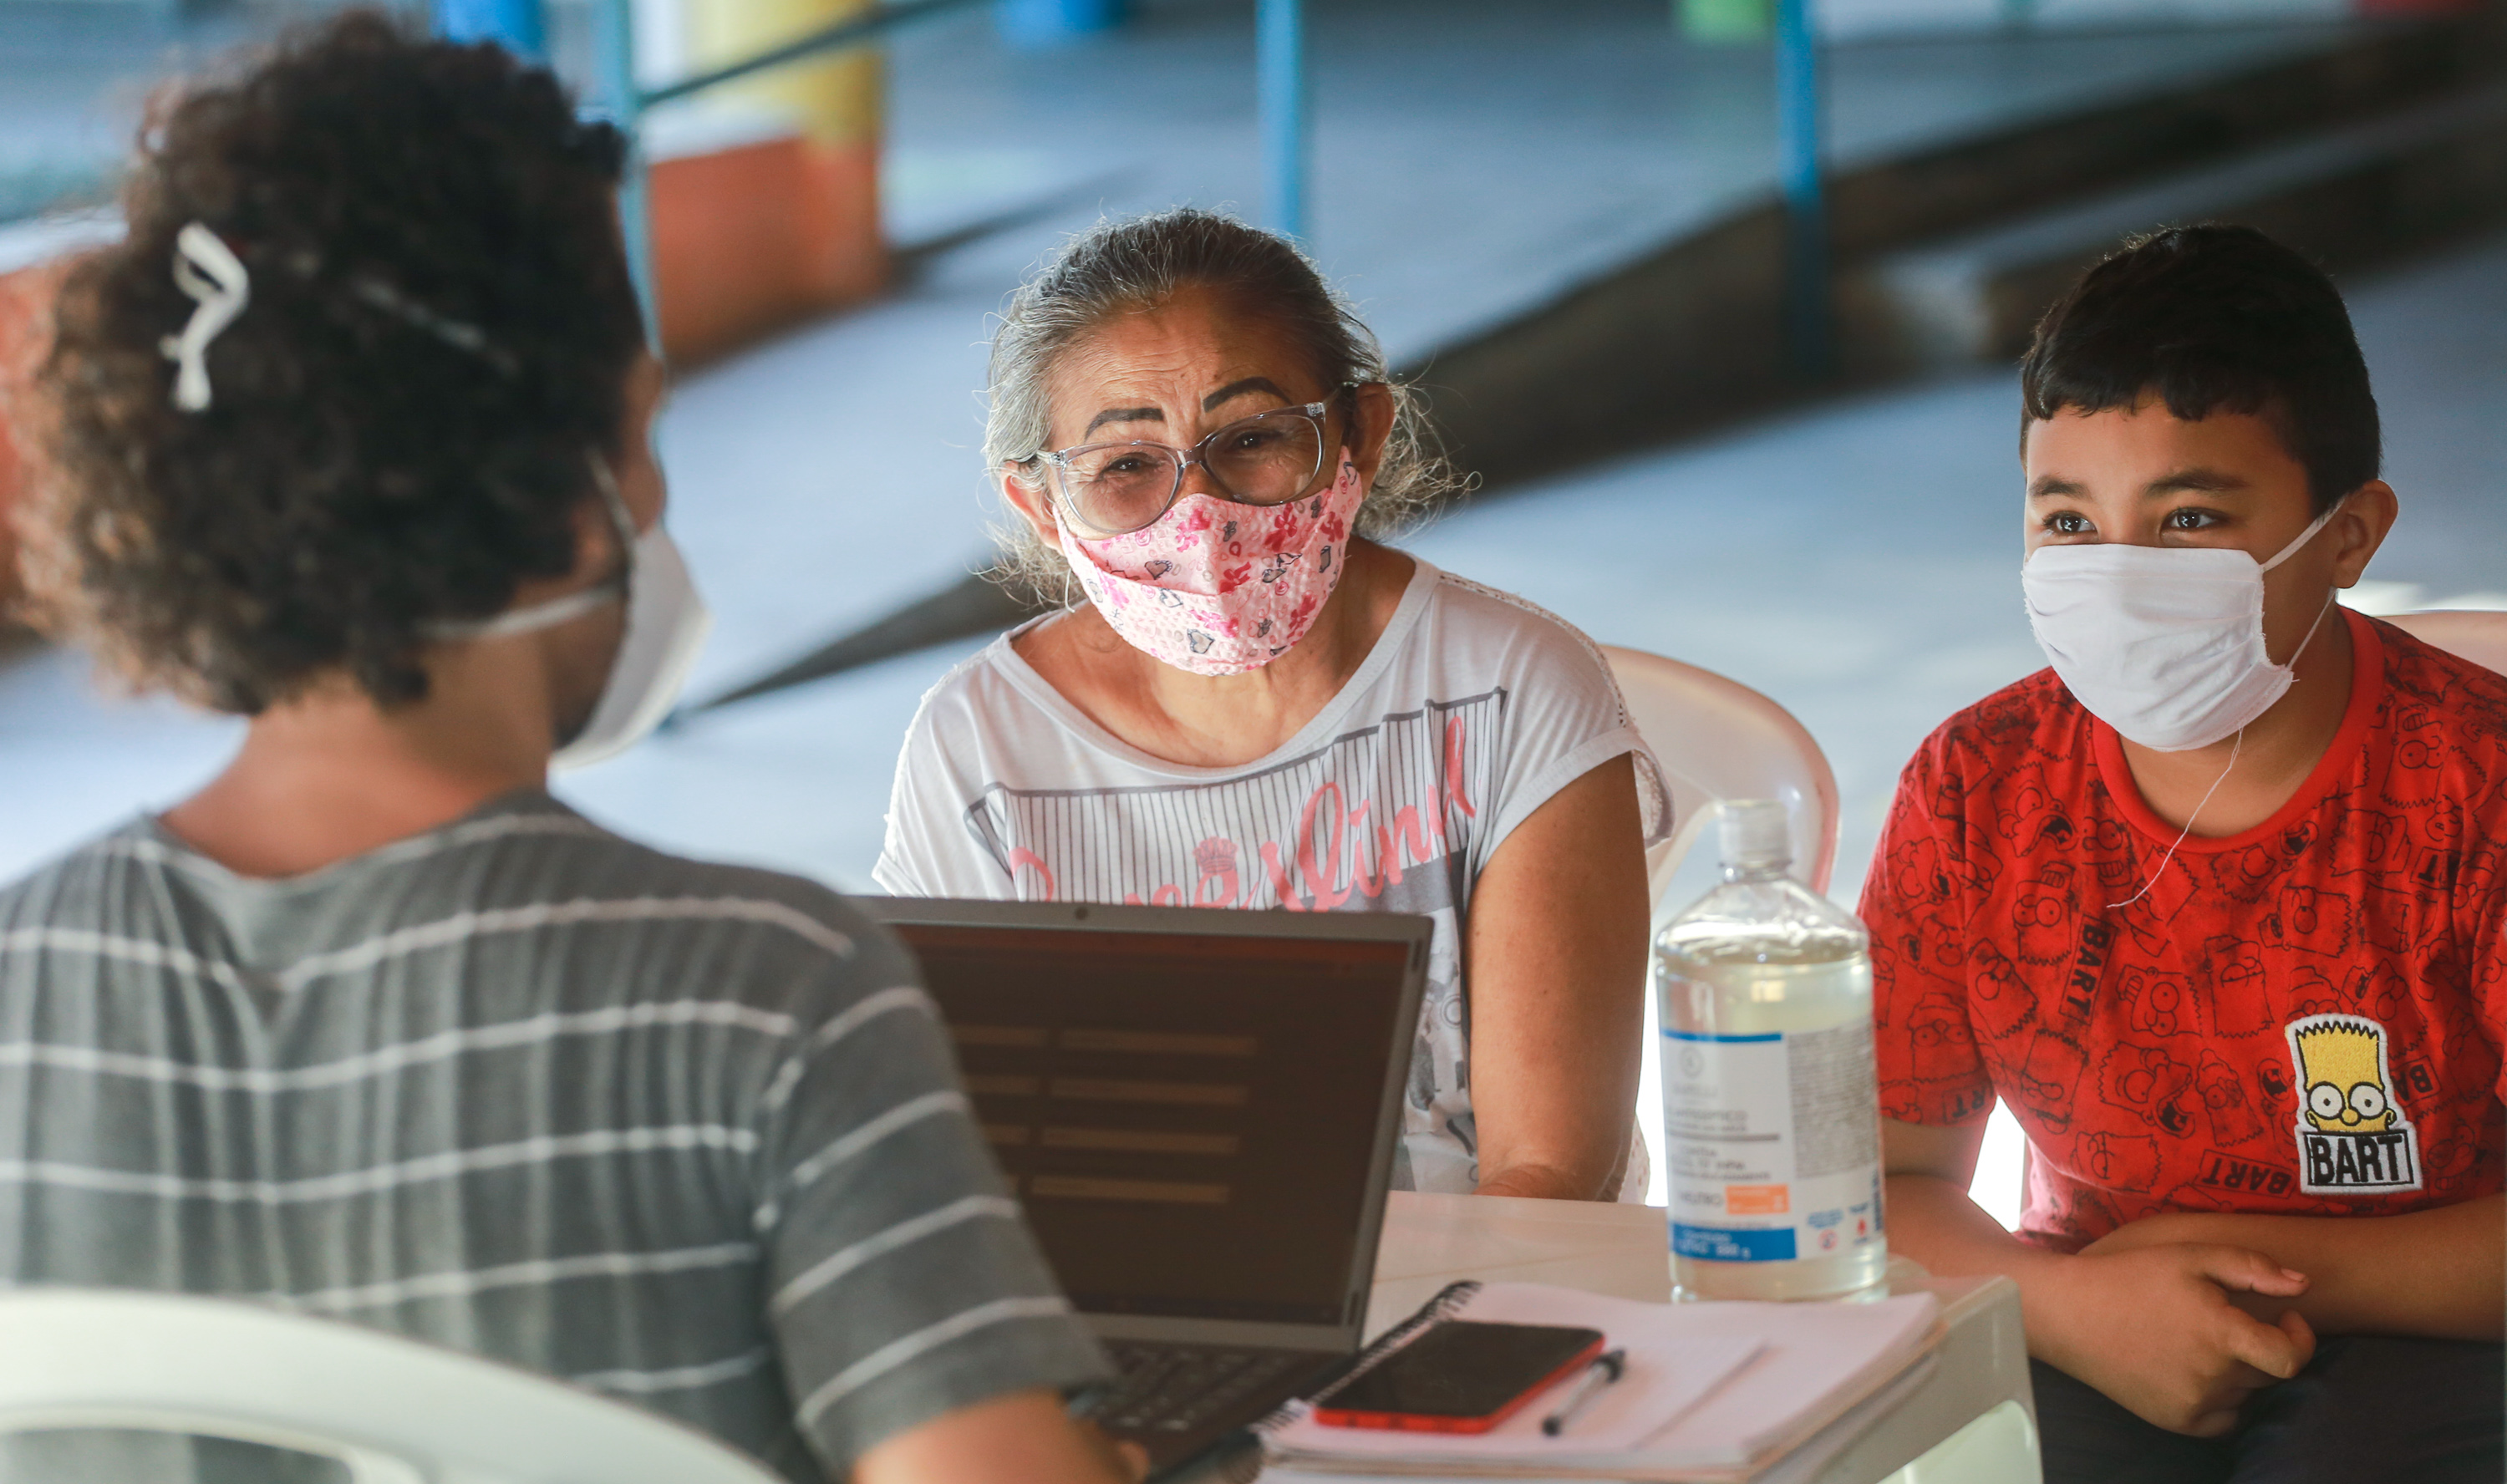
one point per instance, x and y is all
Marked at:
(1970, 1418)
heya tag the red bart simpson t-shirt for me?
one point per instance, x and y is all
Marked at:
(2302, 1019)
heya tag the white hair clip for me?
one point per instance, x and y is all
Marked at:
(205, 269)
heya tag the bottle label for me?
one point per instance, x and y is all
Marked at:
(1774, 1144)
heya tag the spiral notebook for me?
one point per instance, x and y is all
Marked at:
(1712, 1392)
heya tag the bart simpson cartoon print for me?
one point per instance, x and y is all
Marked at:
(2352, 1136)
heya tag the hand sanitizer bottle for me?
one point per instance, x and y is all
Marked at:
(1771, 1099)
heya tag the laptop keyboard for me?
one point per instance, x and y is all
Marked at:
(1178, 1387)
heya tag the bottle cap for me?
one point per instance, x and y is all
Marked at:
(1753, 833)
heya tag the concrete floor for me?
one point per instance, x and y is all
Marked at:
(1471, 161)
(1860, 563)
(1856, 561)
(1454, 186)
(823, 479)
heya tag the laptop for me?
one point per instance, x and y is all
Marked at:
(1198, 1111)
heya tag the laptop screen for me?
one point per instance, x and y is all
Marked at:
(1189, 1119)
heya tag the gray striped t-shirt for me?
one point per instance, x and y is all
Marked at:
(688, 1135)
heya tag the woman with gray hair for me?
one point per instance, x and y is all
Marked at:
(1258, 705)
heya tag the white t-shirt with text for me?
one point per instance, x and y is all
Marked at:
(1472, 710)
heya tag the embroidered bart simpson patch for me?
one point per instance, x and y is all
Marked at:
(2352, 1133)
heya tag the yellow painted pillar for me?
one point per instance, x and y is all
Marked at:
(795, 219)
(836, 99)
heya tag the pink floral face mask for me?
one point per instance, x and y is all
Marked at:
(1218, 588)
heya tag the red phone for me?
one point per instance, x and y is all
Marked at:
(1461, 1376)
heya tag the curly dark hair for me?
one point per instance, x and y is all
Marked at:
(441, 325)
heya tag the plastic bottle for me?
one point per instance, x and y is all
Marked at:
(1771, 1106)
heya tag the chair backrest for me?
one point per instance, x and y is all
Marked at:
(1717, 739)
(2477, 634)
(392, 1410)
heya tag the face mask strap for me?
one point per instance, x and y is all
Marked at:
(2292, 550)
(2310, 632)
(459, 333)
(2313, 529)
(572, 605)
(621, 518)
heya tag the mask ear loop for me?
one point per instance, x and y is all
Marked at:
(2329, 599)
(2315, 529)
(2233, 749)
(572, 605)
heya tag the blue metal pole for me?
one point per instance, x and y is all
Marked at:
(1280, 91)
(1799, 105)
(614, 91)
(520, 25)
(1045, 23)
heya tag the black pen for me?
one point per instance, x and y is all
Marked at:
(1604, 1370)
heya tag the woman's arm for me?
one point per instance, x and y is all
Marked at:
(2440, 1272)
(1556, 961)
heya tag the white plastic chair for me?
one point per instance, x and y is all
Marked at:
(2477, 634)
(1717, 739)
(390, 1410)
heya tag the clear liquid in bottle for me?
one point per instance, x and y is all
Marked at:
(1771, 1103)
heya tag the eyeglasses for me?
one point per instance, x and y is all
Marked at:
(1270, 459)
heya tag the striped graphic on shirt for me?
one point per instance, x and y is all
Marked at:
(1326, 831)
(1386, 817)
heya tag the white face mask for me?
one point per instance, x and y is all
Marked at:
(666, 624)
(2163, 643)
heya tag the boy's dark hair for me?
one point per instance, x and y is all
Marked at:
(440, 329)
(2214, 319)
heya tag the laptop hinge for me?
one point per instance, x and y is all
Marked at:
(1322, 1339)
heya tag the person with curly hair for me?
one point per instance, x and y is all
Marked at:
(1251, 701)
(348, 436)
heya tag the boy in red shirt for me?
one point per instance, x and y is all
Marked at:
(2218, 906)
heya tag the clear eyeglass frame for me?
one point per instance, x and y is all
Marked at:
(1059, 462)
